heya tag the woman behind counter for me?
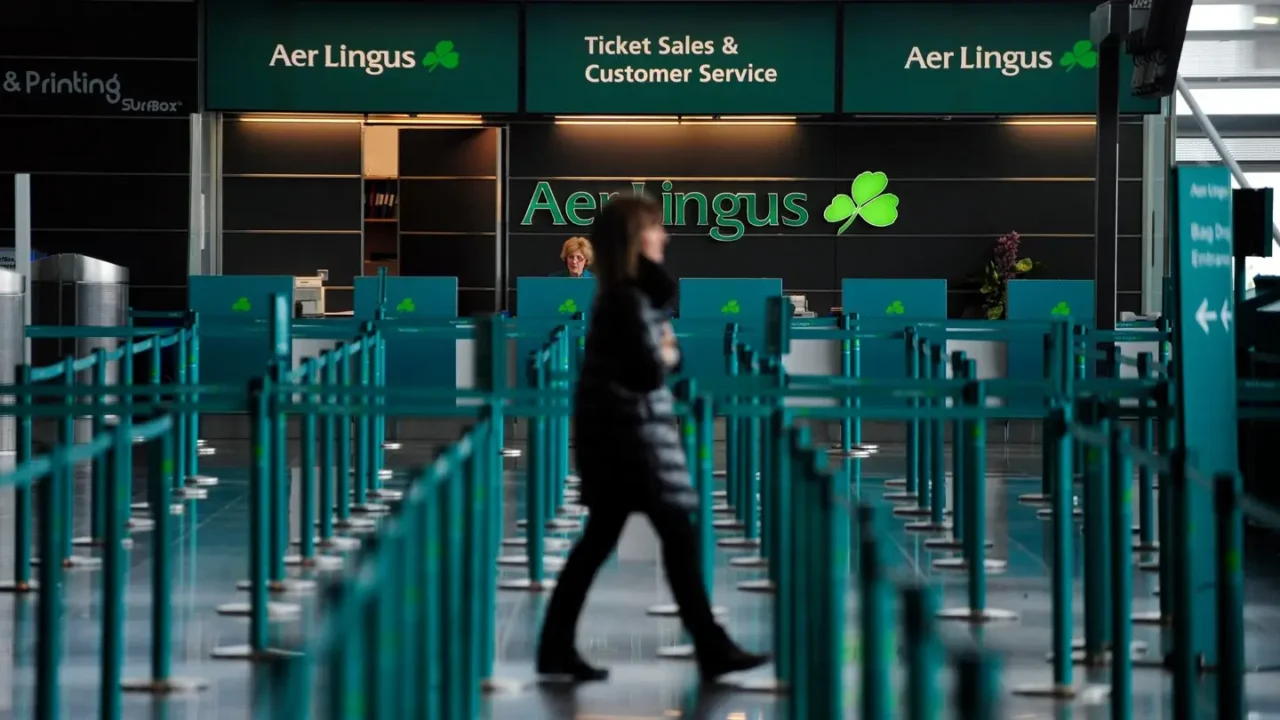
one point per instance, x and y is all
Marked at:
(576, 254)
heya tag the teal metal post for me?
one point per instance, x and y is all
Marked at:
(114, 578)
(1167, 563)
(98, 496)
(975, 540)
(193, 415)
(328, 454)
(1230, 526)
(961, 478)
(49, 609)
(876, 617)
(1186, 666)
(751, 500)
(938, 485)
(920, 605)
(344, 439)
(67, 438)
(124, 422)
(924, 491)
(536, 467)
(978, 684)
(834, 580)
(786, 567)
(1121, 567)
(1097, 551)
(160, 468)
(260, 391)
(307, 491)
(1146, 482)
(732, 425)
(22, 512)
(379, 441)
(1064, 530)
(181, 472)
(912, 486)
(703, 463)
(846, 371)
(364, 423)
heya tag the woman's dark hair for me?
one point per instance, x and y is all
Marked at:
(616, 238)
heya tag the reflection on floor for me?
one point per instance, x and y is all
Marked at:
(615, 630)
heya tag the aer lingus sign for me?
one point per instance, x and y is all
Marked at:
(968, 58)
(370, 57)
(726, 215)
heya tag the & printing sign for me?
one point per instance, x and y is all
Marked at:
(37, 86)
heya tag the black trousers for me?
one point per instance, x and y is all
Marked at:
(680, 559)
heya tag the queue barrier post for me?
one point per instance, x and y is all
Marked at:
(938, 484)
(49, 631)
(846, 371)
(1146, 484)
(691, 440)
(743, 458)
(1051, 372)
(1186, 666)
(22, 494)
(193, 444)
(911, 484)
(98, 497)
(564, 351)
(773, 444)
(307, 459)
(125, 422)
(536, 470)
(67, 438)
(363, 480)
(978, 684)
(179, 474)
(732, 451)
(959, 477)
(751, 501)
(832, 560)
(876, 611)
(1228, 492)
(919, 439)
(1097, 551)
(1121, 569)
(923, 651)
(114, 575)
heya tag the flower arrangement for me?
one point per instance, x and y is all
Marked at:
(1005, 265)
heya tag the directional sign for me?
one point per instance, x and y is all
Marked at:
(1205, 366)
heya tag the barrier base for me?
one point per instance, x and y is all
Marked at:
(722, 509)
(750, 561)
(172, 686)
(315, 562)
(512, 452)
(986, 615)
(275, 610)
(1146, 548)
(572, 479)
(385, 494)
(763, 587)
(769, 685)
(370, 508)
(569, 511)
(928, 526)
(190, 493)
(895, 483)
(502, 686)
(140, 524)
(391, 445)
(97, 542)
(673, 610)
(527, 585)
(549, 562)
(912, 511)
(1137, 650)
(719, 494)
(676, 652)
(76, 562)
(201, 481)
(1047, 513)
(1086, 693)
(357, 524)
(206, 450)
(958, 564)
(728, 524)
(1150, 566)
(553, 544)
(288, 586)
(954, 544)
(1037, 499)
(900, 497)
(1153, 617)
(853, 452)
(337, 542)
(738, 542)
(174, 508)
(12, 588)
(556, 524)
(246, 652)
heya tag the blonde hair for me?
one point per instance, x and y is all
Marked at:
(577, 245)
(616, 235)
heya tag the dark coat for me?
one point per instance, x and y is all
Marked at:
(627, 440)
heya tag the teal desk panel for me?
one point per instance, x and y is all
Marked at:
(1044, 300)
(895, 299)
(234, 310)
(541, 304)
(427, 359)
(707, 305)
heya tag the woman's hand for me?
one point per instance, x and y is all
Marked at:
(669, 348)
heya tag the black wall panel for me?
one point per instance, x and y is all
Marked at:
(459, 205)
(283, 148)
(960, 186)
(448, 152)
(148, 255)
(6, 201)
(100, 29)
(143, 202)
(101, 145)
(250, 253)
(291, 204)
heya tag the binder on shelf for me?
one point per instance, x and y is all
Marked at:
(380, 200)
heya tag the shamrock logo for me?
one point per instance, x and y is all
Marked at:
(1061, 309)
(895, 308)
(731, 308)
(568, 307)
(241, 305)
(866, 198)
(1082, 54)
(406, 305)
(444, 56)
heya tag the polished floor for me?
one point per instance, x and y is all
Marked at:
(615, 631)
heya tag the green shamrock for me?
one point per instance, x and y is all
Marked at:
(895, 308)
(568, 307)
(731, 308)
(241, 305)
(443, 56)
(1062, 309)
(406, 305)
(1082, 54)
(866, 198)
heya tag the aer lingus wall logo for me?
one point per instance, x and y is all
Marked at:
(723, 215)
(373, 61)
(1081, 55)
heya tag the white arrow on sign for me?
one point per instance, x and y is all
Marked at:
(1204, 315)
(1225, 315)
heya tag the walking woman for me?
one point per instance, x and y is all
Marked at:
(628, 449)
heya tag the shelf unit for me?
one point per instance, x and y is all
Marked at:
(380, 239)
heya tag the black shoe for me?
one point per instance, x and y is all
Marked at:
(731, 661)
(570, 668)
